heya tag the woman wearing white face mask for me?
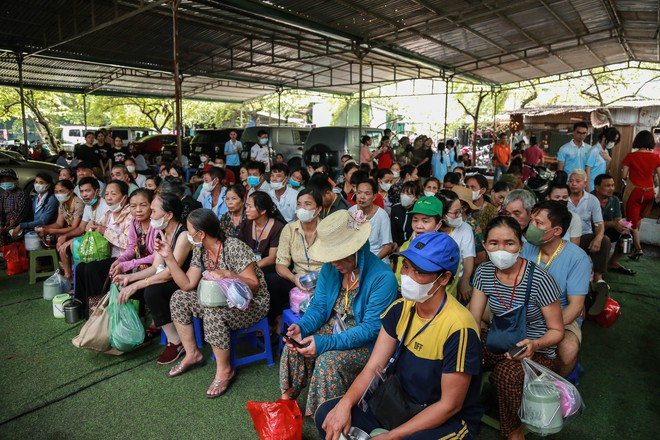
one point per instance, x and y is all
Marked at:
(384, 180)
(115, 226)
(154, 284)
(140, 179)
(461, 232)
(297, 237)
(400, 217)
(598, 158)
(525, 303)
(430, 343)
(44, 204)
(69, 213)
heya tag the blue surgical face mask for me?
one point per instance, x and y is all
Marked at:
(93, 202)
(294, 183)
(263, 141)
(7, 186)
(253, 181)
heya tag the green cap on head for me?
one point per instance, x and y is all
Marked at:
(428, 205)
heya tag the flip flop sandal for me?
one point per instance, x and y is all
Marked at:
(601, 293)
(220, 386)
(623, 270)
(181, 368)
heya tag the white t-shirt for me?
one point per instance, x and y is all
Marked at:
(464, 238)
(90, 216)
(259, 153)
(287, 203)
(381, 231)
(140, 180)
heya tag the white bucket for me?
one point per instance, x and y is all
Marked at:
(32, 241)
(58, 305)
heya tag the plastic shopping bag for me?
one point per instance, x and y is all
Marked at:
(65, 285)
(279, 420)
(549, 401)
(609, 315)
(94, 247)
(16, 258)
(126, 329)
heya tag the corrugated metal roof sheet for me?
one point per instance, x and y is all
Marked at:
(257, 46)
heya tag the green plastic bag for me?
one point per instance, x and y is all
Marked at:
(126, 329)
(94, 247)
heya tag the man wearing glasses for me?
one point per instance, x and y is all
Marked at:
(573, 155)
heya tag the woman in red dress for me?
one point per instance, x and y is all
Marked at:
(638, 169)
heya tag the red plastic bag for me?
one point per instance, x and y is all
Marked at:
(609, 315)
(279, 420)
(16, 258)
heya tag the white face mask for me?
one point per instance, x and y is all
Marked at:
(277, 185)
(191, 239)
(62, 197)
(503, 259)
(208, 186)
(203, 158)
(40, 189)
(475, 195)
(117, 207)
(406, 200)
(130, 168)
(454, 222)
(610, 145)
(429, 193)
(159, 224)
(305, 215)
(218, 165)
(413, 291)
(396, 174)
(385, 186)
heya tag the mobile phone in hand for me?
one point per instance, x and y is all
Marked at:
(517, 351)
(293, 341)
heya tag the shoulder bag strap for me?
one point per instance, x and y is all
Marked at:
(530, 279)
(394, 361)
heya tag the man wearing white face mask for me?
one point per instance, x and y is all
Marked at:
(260, 151)
(283, 195)
(485, 211)
(430, 342)
(215, 200)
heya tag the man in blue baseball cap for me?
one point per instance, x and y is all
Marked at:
(434, 345)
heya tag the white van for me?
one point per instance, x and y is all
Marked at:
(128, 134)
(72, 135)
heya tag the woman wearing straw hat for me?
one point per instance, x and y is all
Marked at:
(342, 322)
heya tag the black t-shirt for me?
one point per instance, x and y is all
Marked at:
(119, 156)
(90, 155)
(106, 151)
(425, 169)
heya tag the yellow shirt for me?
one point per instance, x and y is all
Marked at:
(293, 248)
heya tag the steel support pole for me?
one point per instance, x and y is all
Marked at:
(444, 134)
(177, 79)
(19, 60)
(279, 106)
(85, 110)
(360, 100)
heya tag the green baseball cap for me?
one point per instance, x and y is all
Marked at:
(428, 205)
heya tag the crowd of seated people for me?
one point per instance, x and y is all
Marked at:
(458, 250)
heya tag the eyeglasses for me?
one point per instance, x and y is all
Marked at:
(581, 133)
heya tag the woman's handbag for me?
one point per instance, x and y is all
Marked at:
(510, 328)
(95, 334)
(389, 403)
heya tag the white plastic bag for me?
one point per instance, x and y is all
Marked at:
(549, 401)
(65, 285)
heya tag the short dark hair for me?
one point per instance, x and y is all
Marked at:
(480, 178)
(239, 190)
(382, 172)
(371, 182)
(261, 133)
(500, 186)
(447, 197)
(316, 195)
(263, 202)
(349, 166)
(558, 214)
(171, 203)
(358, 177)
(450, 143)
(320, 183)
(610, 134)
(48, 179)
(599, 178)
(504, 221)
(452, 178)
(303, 172)
(145, 192)
(644, 139)
(580, 124)
(254, 165)
(412, 187)
(407, 170)
(206, 220)
(156, 178)
(123, 186)
(554, 186)
(66, 184)
(533, 140)
(90, 133)
(89, 181)
(216, 173)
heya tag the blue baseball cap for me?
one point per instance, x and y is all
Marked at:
(433, 252)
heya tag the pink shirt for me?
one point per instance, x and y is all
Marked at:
(533, 155)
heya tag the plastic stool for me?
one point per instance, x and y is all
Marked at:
(251, 334)
(574, 377)
(199, 334)
(288, 318)
(34, 275)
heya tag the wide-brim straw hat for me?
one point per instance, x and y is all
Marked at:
(340, 235)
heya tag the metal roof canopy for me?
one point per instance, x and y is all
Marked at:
(234, 50)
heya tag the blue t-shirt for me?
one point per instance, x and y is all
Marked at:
(574, 157)
(571, 269)
(450, 344)
(233, 160)
(597, 163)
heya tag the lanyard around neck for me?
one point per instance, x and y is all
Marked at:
(217, 258)
(515, 283)
(552, 257)
(256, 243)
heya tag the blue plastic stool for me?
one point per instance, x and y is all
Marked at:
(574, 377)
(250, 334)
(288, 318)
(199, 333)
